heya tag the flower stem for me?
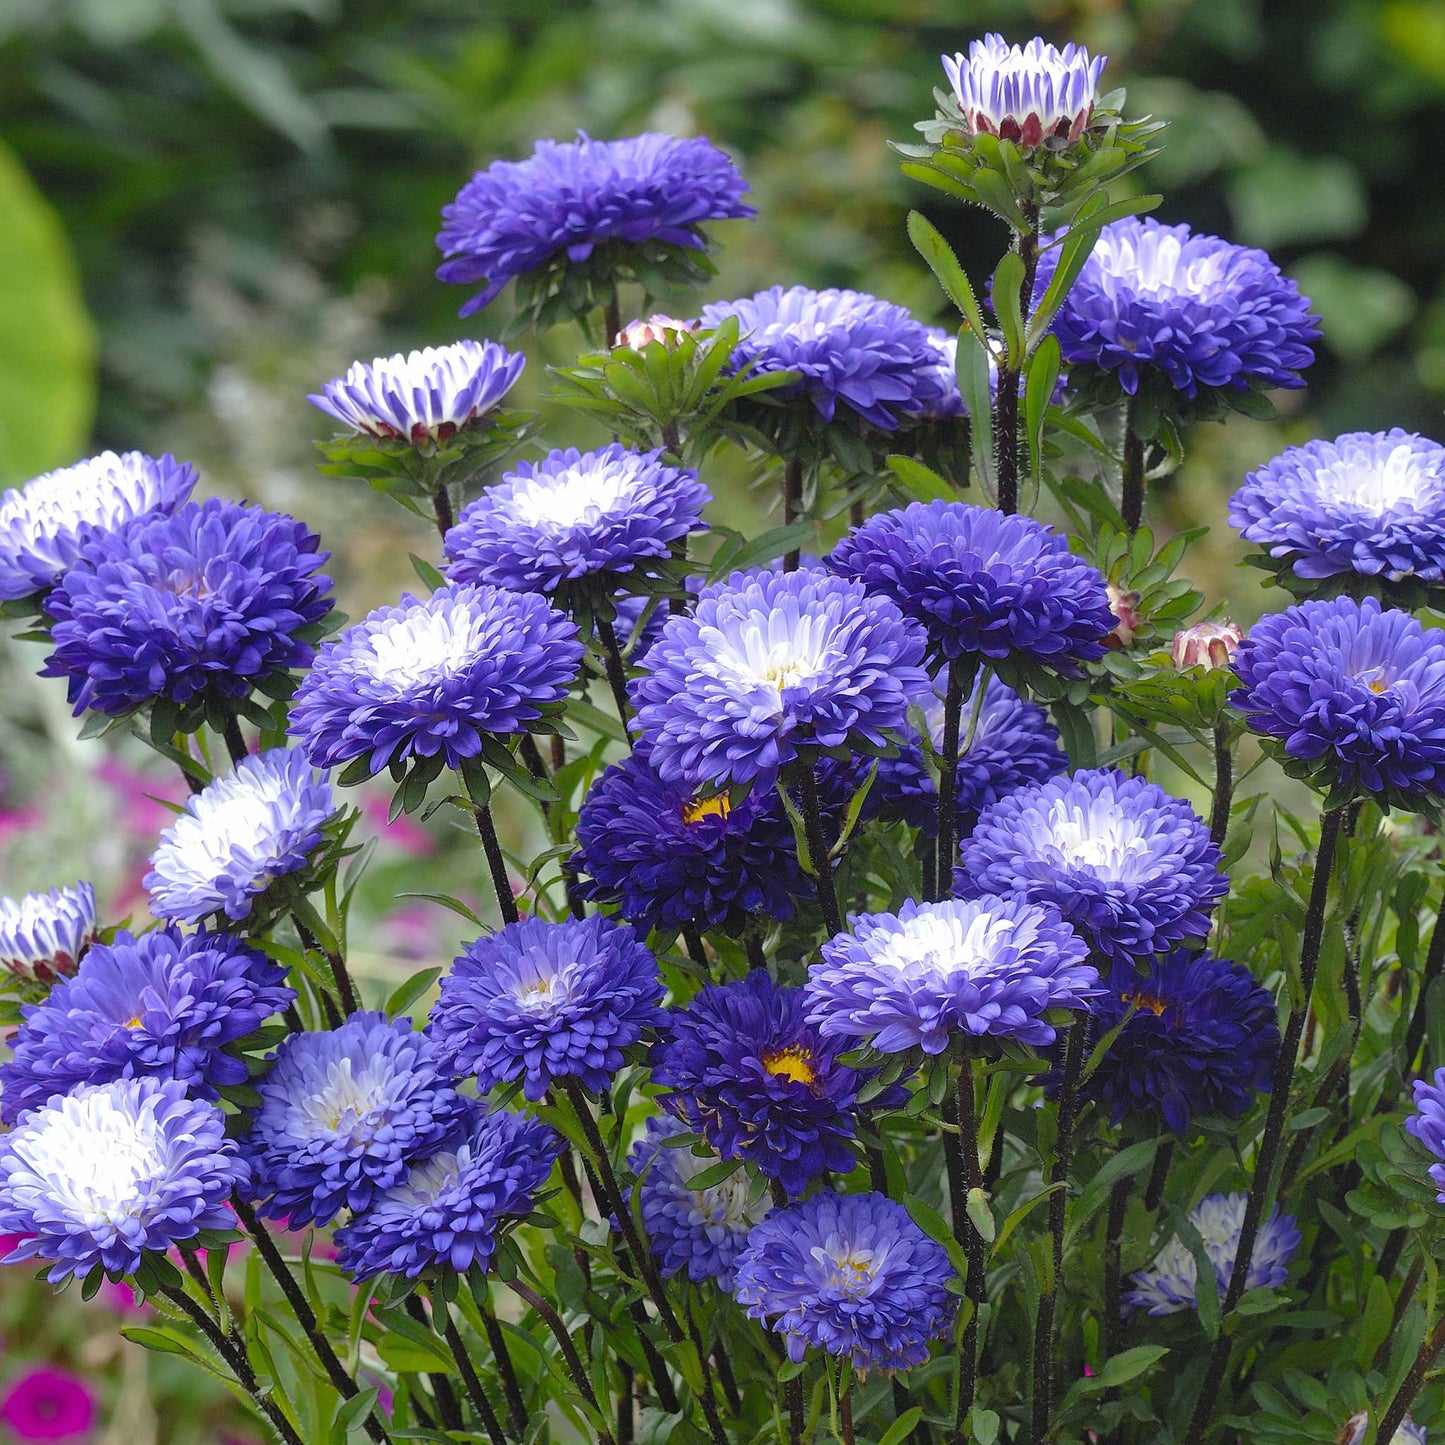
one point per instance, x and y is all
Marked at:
(441, 507)
(948, 780)
(793, 1399)
(1113, 1265)
(1223, 785)
(1434, 967)
(570, 1358)
(235, 738)
(345, 988)
(616, 671)
(792, 505)
(1131, 488)
(845, 1416)
(1159, 1175)
(448, 1407)
(1394, 1416)
(1006, 397)
(611, 320)
(818, 847)
(470, 1379)
(496, 863)
(969, 1176)
(511, 1385)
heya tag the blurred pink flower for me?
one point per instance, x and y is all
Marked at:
(48, 1404)
(17, 820)
(410, 837)
(120, 1299)
(8, 1242)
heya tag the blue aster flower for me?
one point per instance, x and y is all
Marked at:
(537, 1002)
(1029, 94)
(574, 515)
(204, 605)
(422, 396)
(1409, 1433)
(851, 350)
(45, 524)
(238, 835)
(571, 197)
(1427, 1123)
(97, 1178)
(768, 662)
(448, 1209)
(43, 936)
(1351, 690)
(165, 1004)
(344, 1115)
(1131, 867)
(850, 1274)
(1168, 1285)
(435, 676)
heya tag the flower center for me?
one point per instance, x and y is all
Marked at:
(1098, 839)
(1139, 999)
(421, 647)
(851, 1269)
(568, 498)
(1376, 486)
(794, 1063)
(1157, 263)
(700, 808)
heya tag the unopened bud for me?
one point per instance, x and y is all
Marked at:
(1125, 606)
(666, 329)
(1207, 645)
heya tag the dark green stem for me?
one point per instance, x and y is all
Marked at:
(1223, 785)
(1434, 967)
(818, 851)
(496, 863)
(969, 1177)
(611, 321)
(570, 1358)
(448, 1406)
(616, 671)
(1408, 1286)
(1131, 491)
(235, 738)
(792, 505)
(1113, 1258)
(511, 1385)
(470, 1379)
(1394, 1416)
(948, 780)
(345, 988)
(441, 507)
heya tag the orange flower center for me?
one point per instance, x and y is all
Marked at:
(700, 808)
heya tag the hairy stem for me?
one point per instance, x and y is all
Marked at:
(948, 780)
(511, 1385)
(818, 851)
(616, 671)
(470, 1379)
(570, 1358)
(448, 1406)
(1131, 490)
(1223, 785)
(792, 504)
(975, 1247)
(496, 863)
(1394, 1415)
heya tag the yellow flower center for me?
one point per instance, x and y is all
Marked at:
(700, 808)
(133, 1022)
(793, 1062)
(1156, 1006)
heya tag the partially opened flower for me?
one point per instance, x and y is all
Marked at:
(1026, 94)
(44, 935)
(1209, 645)
(46, 1403)
(639, 335)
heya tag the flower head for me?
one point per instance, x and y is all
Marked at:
(538, 1001)
(200, 606)
(1131, 867)
(422, 396)
(46, 1403)
(165, 1004)
(1209, 645)
(96, 1177)
(260, 822)
(1168, 1285)
(639, 335)
(1427, 1123)
(435, 676)
(850, 1274)
(1352, 1432)
(44, 935)
(1026, 94)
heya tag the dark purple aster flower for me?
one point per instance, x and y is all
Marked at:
(1356, 690)
(435, 676)
(165, 1004)
(1131, 867)
(537, 1002)
(850, 1274)
(1427, 1123)
(205, 604)
(571, 197)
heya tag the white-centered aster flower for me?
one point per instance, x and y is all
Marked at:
(1028, 94)
(43, 935)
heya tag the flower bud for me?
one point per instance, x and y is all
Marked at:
(43, 935)
(1125, 607)
(1207, 645)
(666, 329)
(1026, 95)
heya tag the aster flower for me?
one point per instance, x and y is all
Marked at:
(537, 1002)
(1352, 1432)
(769, 662)
(447, 1209)
(237, 836)
(1026, 94)
(1168, 1285)
(44, 935)
(435, 676)
(639, 335)
(1352, 693)
(202, 606)
(95, 1178)
(344, 1115)
(45, 524)
(422, 396)
(570, 199)
(1427, 1123)
(1131, 867)
(1210, 645)
(850, 1274)
(46, 1403)
(575, 515)
(165, 1004)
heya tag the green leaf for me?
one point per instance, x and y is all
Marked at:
(411, 990)
(1008, 305)
(902, 1427)
(1123, 1367)
(356, 1409)
(923, 482)
(980, 1215)
(1042, 375)
(944, 265)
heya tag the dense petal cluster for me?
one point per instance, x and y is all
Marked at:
(1027, 94)
(569, 197)
(573, 515)
(165, 1004)
(1427, 1123)
(1168, 1285)
(422, 396)
(1356, 689)
(343, 1116)
(850, 1274)
(982, 583)
(45, 524)
(1199, 311)
(538, 1002)
(448, 1209)
(44, 935)
(987, 967)
(1367, 502)
(260, 822)
(851, 350)
(206, 603)
(96, 1178)
(1131, 867)
(768, 662)
(434, 676)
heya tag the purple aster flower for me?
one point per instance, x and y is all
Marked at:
(200, 606)
(1351, 690)
(1371, 503)
(96, 1178)
(1353, 1431)
(851, 349)
(850, 1274)
(988, 967)
(571, 197)
(435, 676)
(751, 1075)
(982, 583)
(165, 1004)
(574, 515)
(447, 1210)
(422, 396)
(43, 936)
(344, 1114)
(1196, 310)
(1427, 1123)
(1168, 1285)
(1131, 867)
(1027, 94)
(238, 835)
(537, 1002)
(45, 524)
(768, 662)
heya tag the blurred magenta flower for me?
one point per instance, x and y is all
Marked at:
(49, 1404)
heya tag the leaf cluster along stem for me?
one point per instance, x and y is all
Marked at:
(570, 1357)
